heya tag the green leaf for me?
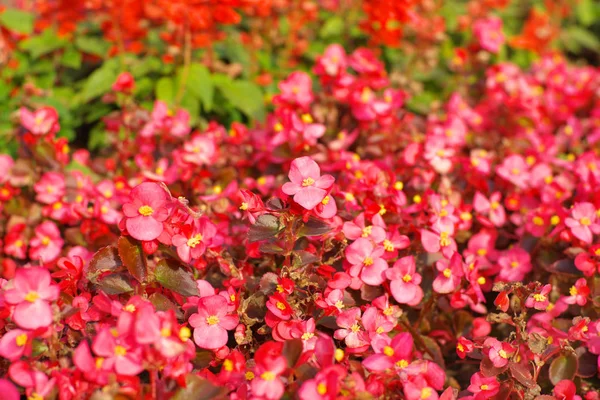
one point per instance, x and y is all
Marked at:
(586, 12)
(333, 27)
(45, 43)
(99, 82)
(265, 227)
(244, 95)
(173, 276)
(200, 85)
(17, 20)
(563, 367)
(75, 166)
(97, 137)
(133, 258)
(580, 37)
(92, 45)
(165, 90)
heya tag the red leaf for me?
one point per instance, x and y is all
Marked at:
(563, 367)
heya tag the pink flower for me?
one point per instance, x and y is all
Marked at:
(390, 353)
(405, 281)
(327, 208)
(279, 307)
(359, 228)
(31, 293)
(492, 207)
(47, 243)
(589, 262)
(270, 365)
(540, 300)
(366, 261)
(200, 150)
(489, 34)
(50, 188)
(296, 90)
(36, 383)
(117, 354)
(419, 390)
(515, 170)
(351, 331)
(191, 243)
(325, 385)
(146, 211)
(305, 330)
(442, 241)
(212, 322)
(14, 344)
(583, 222)
(450, 276)
(88, 364)
(515, 263)
(498, 352)
(566, 390)
(463, 347)
(366, 106)
(41, 122)
(483, 388)
(333, 61)
(578, 293)
(8, 390)
(307, 185)
(376, 323)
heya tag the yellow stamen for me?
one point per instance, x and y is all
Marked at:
(194, 240)
(32, 296)
(321, 389)
(308, 182)
(21, 340)
(388, 351)
(212, 320)
(146, 211)
(268, 376)
(120, 351)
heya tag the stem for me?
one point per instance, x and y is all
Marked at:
(187, 60)
(153, 379)
(417, 338)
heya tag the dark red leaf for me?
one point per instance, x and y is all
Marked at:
(563, 367)
(133, 258)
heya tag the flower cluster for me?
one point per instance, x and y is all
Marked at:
(348, 246)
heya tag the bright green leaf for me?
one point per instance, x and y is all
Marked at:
(244, 95)
(333, 27)
(71, 58)
(586, 12)
(17, 20)
(165, 90)
(99, 82)
(199, 84)
(92, 45)
(45, 43)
